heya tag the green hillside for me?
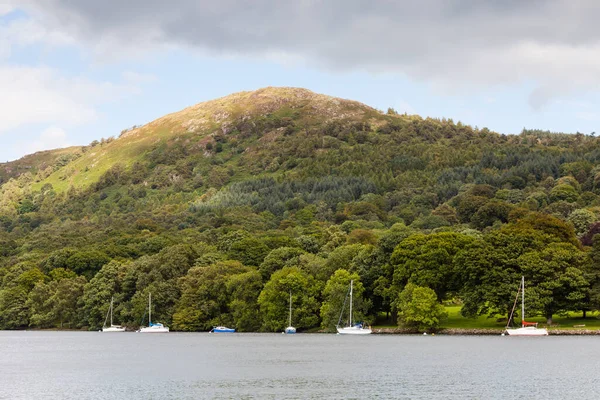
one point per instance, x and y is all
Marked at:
(242, 117)
(221, 209)
(42, 163)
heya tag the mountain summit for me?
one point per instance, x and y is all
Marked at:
(235, 116)
(243, 106)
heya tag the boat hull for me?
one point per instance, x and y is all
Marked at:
(154, 329)
(290, 330)
(354, 330)
(527, 331)
(113, 329)
(222, 329)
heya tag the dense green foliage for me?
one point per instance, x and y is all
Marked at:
(221, 222)
(419, 308)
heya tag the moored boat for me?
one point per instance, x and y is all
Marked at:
(222, 329)
(352, 328)
(527, 328)
(112, 327)
(290, 329)
(153, 327)
(156, 327)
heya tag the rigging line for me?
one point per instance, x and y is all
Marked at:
(343, 307)
(513, 309)
(143, 318)
(106, 319)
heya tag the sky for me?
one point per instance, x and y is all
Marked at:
(72, 71)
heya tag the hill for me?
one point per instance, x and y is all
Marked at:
(42, 163)
(220, 209)
(237, 116)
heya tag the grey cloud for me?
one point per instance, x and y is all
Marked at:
(450, 43)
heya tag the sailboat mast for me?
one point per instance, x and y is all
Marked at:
(290, 320)
(350, 316)
(149, 309)
(111, 307)
(523, 301)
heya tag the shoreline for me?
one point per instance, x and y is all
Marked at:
(381, 331)
(481, 332)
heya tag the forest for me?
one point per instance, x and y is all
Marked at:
(225, 208)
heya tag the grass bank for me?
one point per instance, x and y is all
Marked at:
(565, 322)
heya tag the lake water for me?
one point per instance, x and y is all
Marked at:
(93, 365)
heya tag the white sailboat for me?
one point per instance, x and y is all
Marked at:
(527, 328)
(352, 329)
(290, 329)
(153, 327)
(112, 327)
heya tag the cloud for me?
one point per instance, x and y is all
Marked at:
(21, 32)
(51, 138)
(452, 44)
(39, 95)
(6, 9)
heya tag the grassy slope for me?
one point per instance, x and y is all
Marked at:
(34, 162)
(455, 320)
(201, 121)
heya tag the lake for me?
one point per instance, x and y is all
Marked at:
(93, 365)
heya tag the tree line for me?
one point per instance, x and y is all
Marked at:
(243, 280)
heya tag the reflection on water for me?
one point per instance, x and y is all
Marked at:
(92, 365)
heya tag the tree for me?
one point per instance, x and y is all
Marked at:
(556, 279)
(56, 303)
(335, 299)
(362, 236)
(491, 212)
(490, 269)
(175, 261)
(206, 298)
(592, 275)
(243, 290)
(392, 237)
(87, 263)
(372, 265)
(279, 258)
(274, 300)
(250, 251)
(16, 283)
(58, 259)
(98, 291)
(564, 192)
(14, 313)
(40, 307)
(427, 260)
(468, 206)
(418, 308)
(65, 301)
(556, 229)
(339, 258)
(582, 220)
(447, 212)
(429, 222)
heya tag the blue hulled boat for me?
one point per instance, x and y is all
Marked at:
(222, 329)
